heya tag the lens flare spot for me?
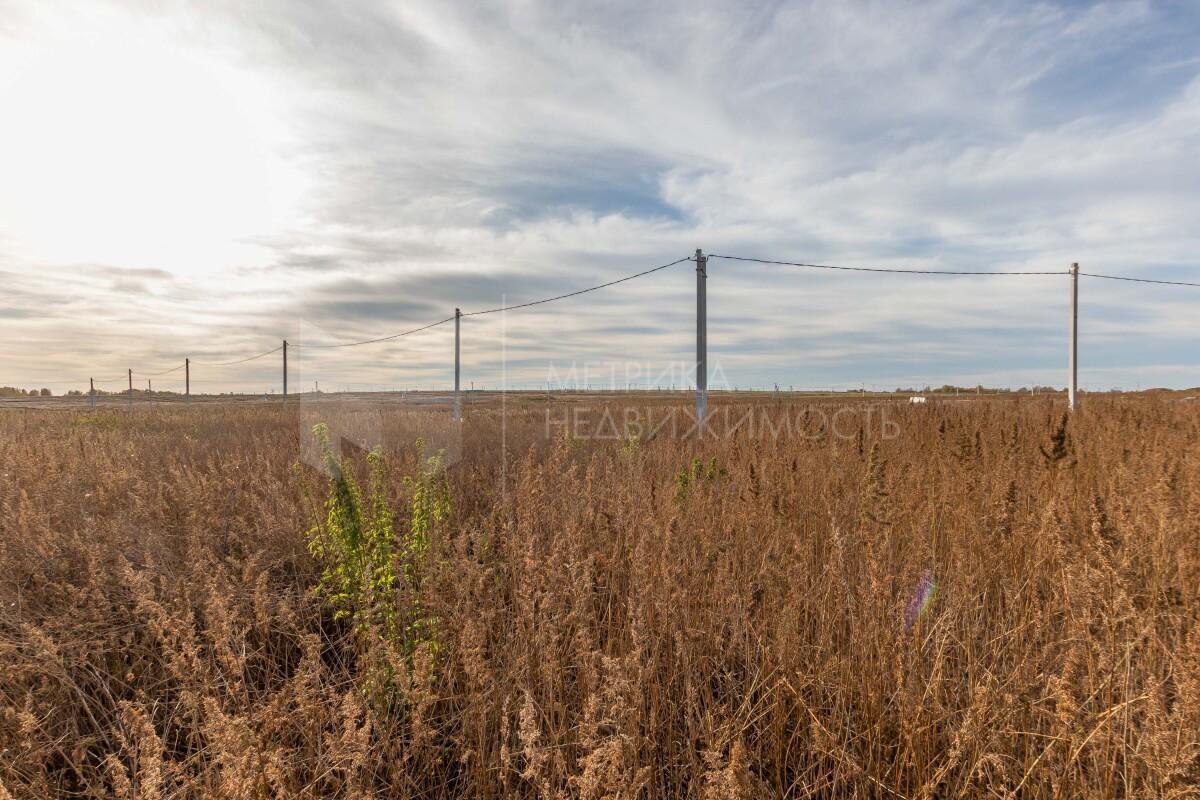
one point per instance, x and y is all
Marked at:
(922, 598)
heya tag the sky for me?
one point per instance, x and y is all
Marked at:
(204, 180)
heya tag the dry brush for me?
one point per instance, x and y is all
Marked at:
(990, 603)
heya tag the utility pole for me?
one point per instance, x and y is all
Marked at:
(187, 379)
(1073, 361)
(130, 403)
(457, 395)
(92, 393)
(701, 338)
(285, 369)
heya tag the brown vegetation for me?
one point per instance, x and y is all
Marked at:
(993, 603)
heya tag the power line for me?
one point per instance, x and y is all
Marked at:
(500, 308)
(1137, 280)
(380, 339)
(948, 271)
(893, 270)
(164, 372)
(71, 382)
(240, 361)
(407, 332)
(886, 269)
(579, 292)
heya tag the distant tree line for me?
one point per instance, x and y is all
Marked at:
(12, 391)
(952, 389)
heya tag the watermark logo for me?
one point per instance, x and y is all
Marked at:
(817, 421)
(616, 376)
(633, 419)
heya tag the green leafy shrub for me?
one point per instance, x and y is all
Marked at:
(355, 545)
(365, 567)
(695, 472)
(430, 507)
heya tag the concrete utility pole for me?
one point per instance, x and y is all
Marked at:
(285, 368)
(1073, 362)
(701, 338)
(187, 379)
(457, 395)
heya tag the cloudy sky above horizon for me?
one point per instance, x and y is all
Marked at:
(204, 180)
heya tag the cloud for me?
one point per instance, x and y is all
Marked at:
(431, 156)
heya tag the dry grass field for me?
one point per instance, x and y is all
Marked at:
(955, 600)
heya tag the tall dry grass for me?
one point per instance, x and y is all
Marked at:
(604, 627)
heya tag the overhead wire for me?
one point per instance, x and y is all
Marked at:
(949, 271)
(164, 372)
(374, 341)
(239, 361)
(1138, 280)
(576, 293)
(305, 346)
(888, 269)
(497, 309)
(71, 381)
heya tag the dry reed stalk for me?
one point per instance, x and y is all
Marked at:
(991, 603)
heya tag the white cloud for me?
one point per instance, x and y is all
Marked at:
(300, 160)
